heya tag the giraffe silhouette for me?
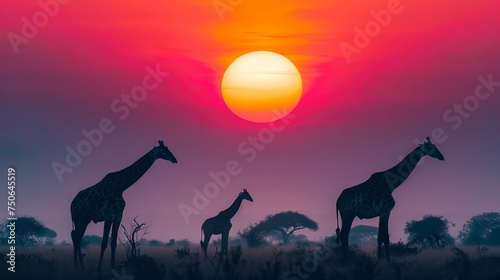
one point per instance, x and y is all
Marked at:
(104, 202)
(373, 198)
(221, 224)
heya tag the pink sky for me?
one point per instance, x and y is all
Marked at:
(354, 118)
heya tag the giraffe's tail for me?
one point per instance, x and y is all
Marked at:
(73, 226)
(201, 237)
(337, 231)
(73, 232)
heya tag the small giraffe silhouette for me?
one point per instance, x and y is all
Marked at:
(221, 224)
(373, 198)
(104, 202)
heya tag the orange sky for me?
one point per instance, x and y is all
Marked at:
(191, 38)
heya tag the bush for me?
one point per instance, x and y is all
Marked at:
(401, 249)
(144, 267)
(188, 264)
(482, 229)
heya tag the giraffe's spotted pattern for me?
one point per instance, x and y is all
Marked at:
(373, 198)
(103, 202)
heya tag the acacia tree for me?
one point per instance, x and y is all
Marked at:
(92, 240)
(482, 229)
(30, 231)
(494, 237)
(253, 235)
(363, 235)
(278, 226)
(286, 223)
(429, 232)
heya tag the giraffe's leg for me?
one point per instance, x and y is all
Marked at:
(206, 241)
(114, 236)
(344, 232)
(225, 241)
(76, 237)
(104, 243)
(383, 236)
(76, 247)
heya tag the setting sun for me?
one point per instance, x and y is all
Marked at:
(257, 84)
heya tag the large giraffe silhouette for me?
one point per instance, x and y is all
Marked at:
(221, 224)
(373, 198)
(104, 202)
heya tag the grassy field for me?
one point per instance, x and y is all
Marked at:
(314, 261)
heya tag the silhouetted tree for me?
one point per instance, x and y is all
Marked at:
(482, 229)
(276, 236)
(49, 241)
(183, 242)
(253, 236)
(364, 235)
(134, 239)
(30, 231)
(236, 241)
(171, 243)
(286, 223)
(91, 240)
(155, 243)
(430, 232)
(278, 226)
(494, 237)
(145, 267)
(298, 238)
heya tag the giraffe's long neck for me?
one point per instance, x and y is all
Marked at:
(231, 211)
(399, 173)
(129, 175)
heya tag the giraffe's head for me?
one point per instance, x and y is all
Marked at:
(427, 148)
(245, 195)
(163, 152)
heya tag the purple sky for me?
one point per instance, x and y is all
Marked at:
(354, 118)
